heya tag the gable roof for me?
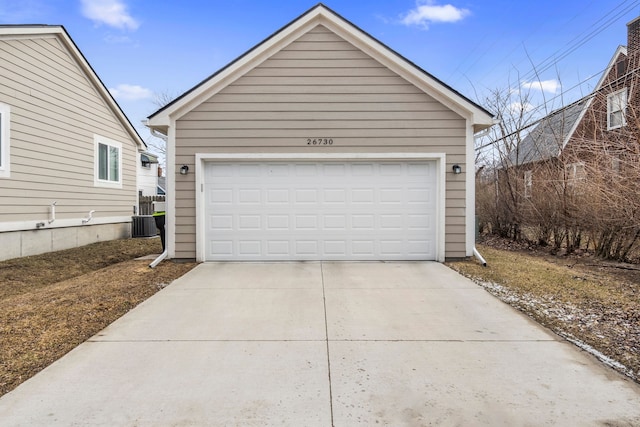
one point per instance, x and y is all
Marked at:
(553, 132)
(321, 15)
(550, 136)
(61, 33)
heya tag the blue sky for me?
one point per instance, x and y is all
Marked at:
(140, 48)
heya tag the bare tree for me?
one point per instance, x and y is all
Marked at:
(157, 143)
(500, 191)
(580, 195)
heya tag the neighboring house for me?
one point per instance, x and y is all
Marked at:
(162, 184)
(68, 154)
(596, 131)
(320, 143)
(149, 173)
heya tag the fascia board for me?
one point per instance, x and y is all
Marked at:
(30, 30)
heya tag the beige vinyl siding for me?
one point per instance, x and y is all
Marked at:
(55, 113)
(320, 86)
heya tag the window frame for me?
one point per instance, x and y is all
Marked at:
(528, 184)
(5, 141)
(616, 165)
(623, 109)
(575, 174)
(110, 143)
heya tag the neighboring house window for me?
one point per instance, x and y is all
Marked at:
(4, 140)
(621, 68)
(528, 184)
(616, 107)
(146, 163)
(108, 162)
(575, 174)
(615, 165)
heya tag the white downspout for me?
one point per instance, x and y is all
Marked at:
(479, 257)
(156, 261)
(170, 170)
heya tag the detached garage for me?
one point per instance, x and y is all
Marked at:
(320, 144)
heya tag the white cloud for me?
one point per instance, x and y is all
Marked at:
(110, 12)
(550, 86)
(427, 12)
(131, 92)
(110, 38)
(517, 107)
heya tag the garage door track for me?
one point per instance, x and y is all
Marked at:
(322, 344)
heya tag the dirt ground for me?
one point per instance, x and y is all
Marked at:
(51, 303)
(591, 302)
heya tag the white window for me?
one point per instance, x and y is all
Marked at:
(528, 183)
(108, 162)
(575, 174)
(575, 171)
(4, 140)
(615, 165)
(616, 108)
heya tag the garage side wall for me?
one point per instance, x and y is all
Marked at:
(320, 87)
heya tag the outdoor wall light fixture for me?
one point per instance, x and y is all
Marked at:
(184, 170)
(457, 169)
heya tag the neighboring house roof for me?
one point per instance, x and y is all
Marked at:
(550, 136)
(553, 132)
(321, 15)
(60, 32)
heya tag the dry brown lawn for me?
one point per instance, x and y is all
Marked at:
(593, 303)
(51, 303)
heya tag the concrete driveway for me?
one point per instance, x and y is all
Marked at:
(322, 344)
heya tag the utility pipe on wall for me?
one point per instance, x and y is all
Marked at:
(89, 218)
(53, 212)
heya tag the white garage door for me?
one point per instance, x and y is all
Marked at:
(320, 210)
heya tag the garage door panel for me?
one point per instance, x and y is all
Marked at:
(278, 222)
(335, 195)
(310, 211)
(221, 222)
(251, 196)
(306, 195)
(306, 247)
(363, 195)
(334, 222)
(363, 222)
(419, 222)
(362, 169)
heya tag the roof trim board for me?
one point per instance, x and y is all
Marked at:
(321, 15)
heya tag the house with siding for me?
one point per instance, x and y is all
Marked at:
(68, 154)
(149, 174)
(320, 143)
